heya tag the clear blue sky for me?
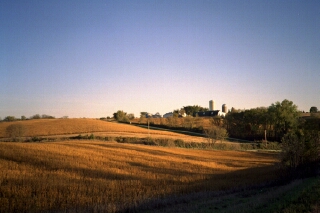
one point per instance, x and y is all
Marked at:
(92, 58)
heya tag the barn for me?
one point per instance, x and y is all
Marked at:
(210, 113)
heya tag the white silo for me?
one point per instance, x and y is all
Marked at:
(211, 105)
(224, 108)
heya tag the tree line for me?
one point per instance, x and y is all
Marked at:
(270, 123)
(36, 116)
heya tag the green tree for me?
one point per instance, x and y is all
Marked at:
(9, 118)
(191, 110)
(23, 117)
(313, 109)
(301, 147)
(143, 114)
(36, 116)
(284, 117)
(44, 116)
(121, 116)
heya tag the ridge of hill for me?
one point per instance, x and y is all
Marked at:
(55, 127)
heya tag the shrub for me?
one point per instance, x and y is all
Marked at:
(37, 139)
(165, 142)
(300, 148)
(179, 143)
(215, 133)
(91, 137)
(220, 146)
(149, 141)
(109, 138)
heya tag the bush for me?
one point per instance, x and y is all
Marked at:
(215, 133)
(37, 139)
(165, 142)
(91, 137)
(108, 138)
(149, 141)
(300, 148)
(179, 143)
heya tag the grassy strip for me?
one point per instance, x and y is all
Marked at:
(167, 142)
(164, 142)
(304, 199)
(296, 196)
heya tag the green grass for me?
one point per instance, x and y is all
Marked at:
(296, 196)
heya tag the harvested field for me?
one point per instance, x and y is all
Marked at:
(94, 176)
(56, 127)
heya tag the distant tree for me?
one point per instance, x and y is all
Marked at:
(44, 116)
(143, 117)
(143, 114)
(176, 113)
(313, 109)
(182, 111)
(36, 116)
(23, 117)
(9, 118)
(283, 116)
(191, 110)
(234, 110)
(64, 117)
(16, 131)
(130, 116)
(121, 116)
(215, 133)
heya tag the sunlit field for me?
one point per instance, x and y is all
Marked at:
(56, 127)
(94, 176)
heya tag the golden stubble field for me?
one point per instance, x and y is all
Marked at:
(58, 127)
(96, 176)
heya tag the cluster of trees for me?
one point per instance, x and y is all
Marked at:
(282, 122)
(301, 148)
(191, 110)
(270, 123)
(36, 116)
(122, 116)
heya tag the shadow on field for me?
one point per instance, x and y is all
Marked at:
(187, 198)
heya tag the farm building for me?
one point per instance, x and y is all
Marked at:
(167, 115)
(210, 113)
(157, 115)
